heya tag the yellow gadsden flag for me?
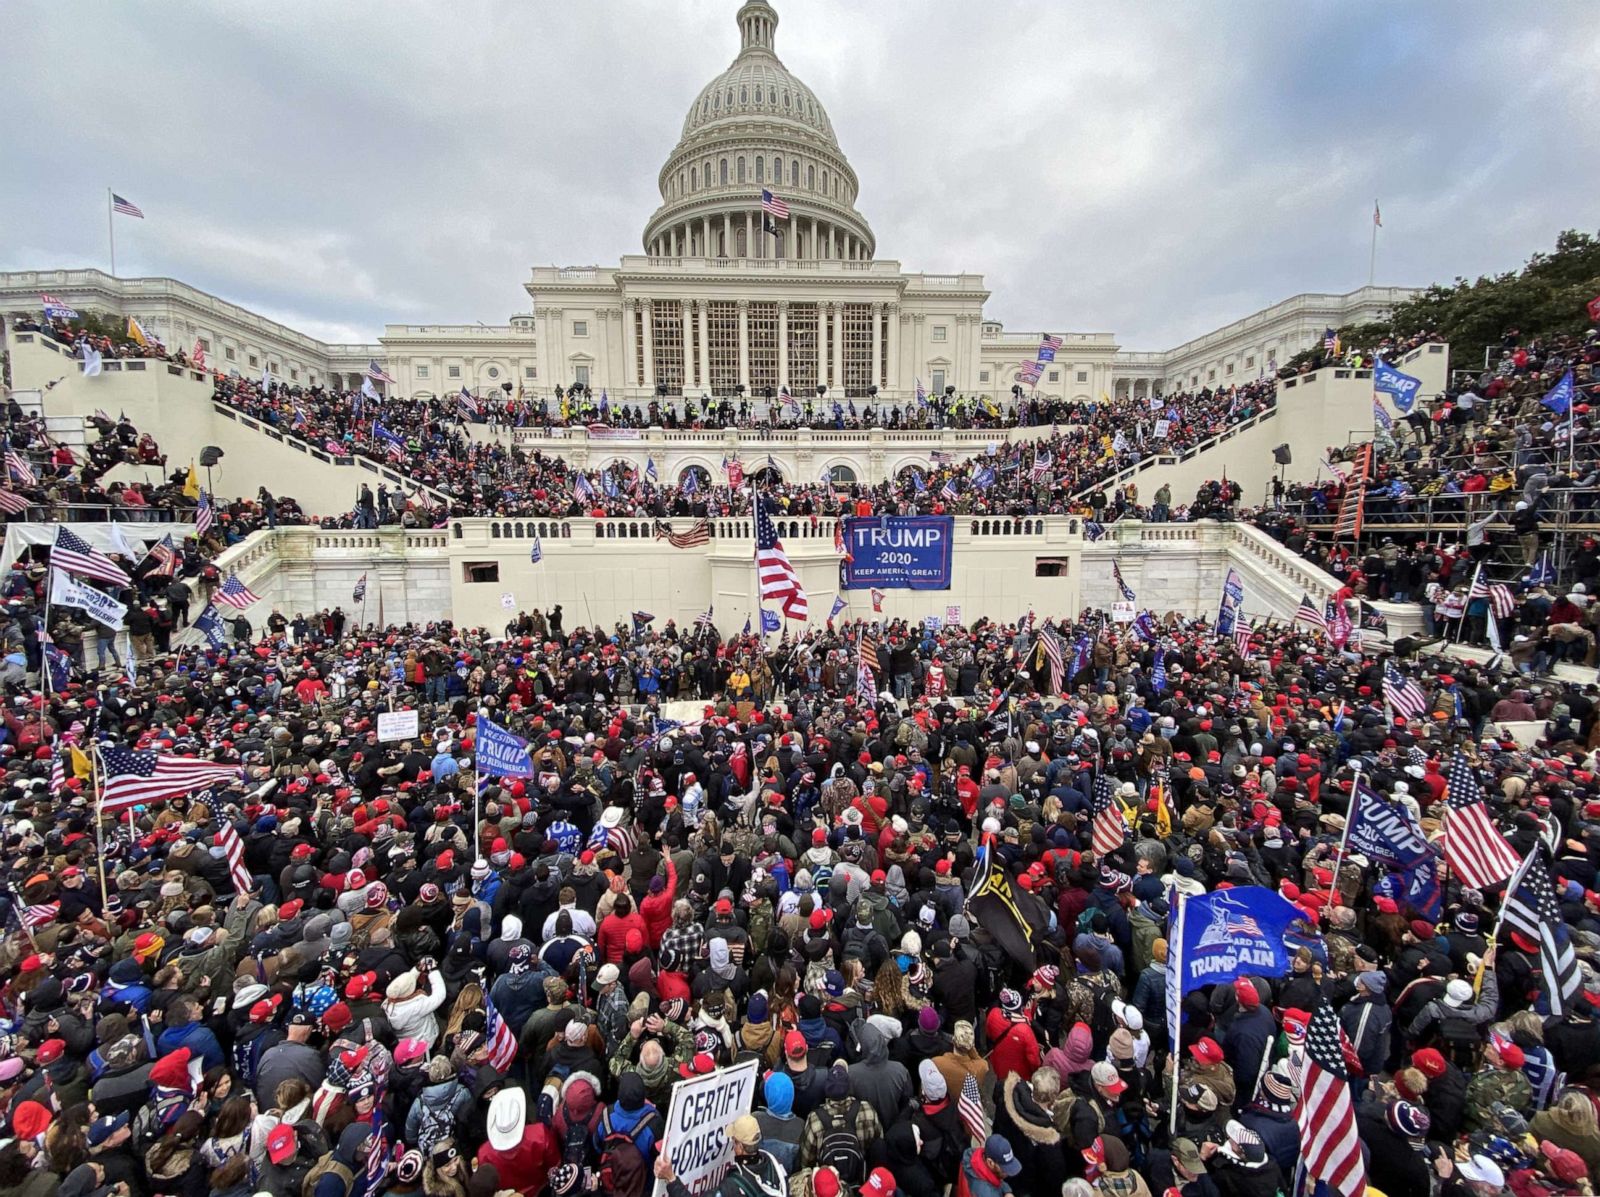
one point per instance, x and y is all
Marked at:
(135, 333)
(191, 484)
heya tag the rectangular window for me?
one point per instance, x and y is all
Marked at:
(941, 332)
(454, 371)
(722, 334)
(938, 382)
(803, 350)
(253, 360)
(858, 372)
(1228, 369)
(983, 376)
(1055, 376)
(294, 376)
(763, 322)
(1083, 376)
(666, 327)
(480, 571)
(1249, 361)
(1051, 567)
(273, 366)
(530, 372)
(580, 376)
(230, 355)
(422, 372)
(580, 328)
(1211, 375)
(205, 345)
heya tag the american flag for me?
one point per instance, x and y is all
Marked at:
(34, 917)
(359, 594)
(377, 372)
(198, 357)
(948, 490)
(773, 206)
(1531, 908)
(1501, 600)
(699, 533)
(869, 652)
(235, 593)
(922, 394)
(233, 849)
(1402, 693)
(1241, 639)
(1474, 846)
(1029, 371)
(467, 404)
(703, 620)
(970, 1106)
(1109, 828)
(1330, 1145)
(1058, 660)
(126, 207)
(778, 578)
(1123, 588)
(1041, 465)
(1380, 417)
(18, 467)
(165, 554)
(12, 503)
(74, 554)
(135, 777)
(866, 685)
(204, 515)
(1052, 343)
(1307, 613)
(498, 1036)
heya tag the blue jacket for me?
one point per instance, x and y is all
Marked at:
(197, 1037)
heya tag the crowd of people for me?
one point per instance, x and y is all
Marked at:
(340, 968)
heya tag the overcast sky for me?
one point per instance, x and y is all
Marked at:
(1148, 169)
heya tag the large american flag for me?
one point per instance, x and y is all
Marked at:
(1330, 1145)
(75, 555)
(1307, 613)
(773, 206)
(375, 371)
(1029, 371)
(699, 533)
(235, 593)
(165, 554)
(1041, 465)
(204, 515)
(1531, 908)
(970, 1106)
(777, 576)
(1109, 828)
(1501, 600)
(125, 206)
(1402, 693)
(135, 777)
(233, 848)
(1058, 660)
(869, 652)
(18, 467)
(12, 503)
(1122, 587)
(499, 1038)
(1473, 845)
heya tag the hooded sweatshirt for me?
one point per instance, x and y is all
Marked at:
(882, 1083)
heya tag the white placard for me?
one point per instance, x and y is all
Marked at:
(508, 601)
(952, 616)
(702, 1109)
(1122, 612)
(396, 725)
(933, 623)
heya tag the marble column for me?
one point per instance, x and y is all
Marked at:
(744, 343)
(783, 343)
(877, 344)
(893, 378)
(688, 346)
(705, 344)
(649, 347)
(824, 313)
(838, 346)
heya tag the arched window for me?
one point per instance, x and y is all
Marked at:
(702, 475)
(744, 95)
(741, 168)
(794, 172)
(519, 531)
(494, 531)
(694, 178)
(738, 243)
(824, 182)
(811, 177)
(786, 99)
(682, 182)
(842, 474)
(724, 172)
(761, 169)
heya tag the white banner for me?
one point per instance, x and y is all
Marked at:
(396, 725)
(1122, 612)
(702, 1109)
(102, 608)
(1161, 429)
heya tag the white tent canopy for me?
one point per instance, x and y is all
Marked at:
(129, 538)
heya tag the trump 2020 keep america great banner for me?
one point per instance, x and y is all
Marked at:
(898, 552)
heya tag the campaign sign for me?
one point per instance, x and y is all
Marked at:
(696, 1134)
(1232, 933)
(499, 752)
(898, 552)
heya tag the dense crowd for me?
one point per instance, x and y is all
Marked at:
(413, 986)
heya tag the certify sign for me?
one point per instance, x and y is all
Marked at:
(898, 552)
(696, 1134)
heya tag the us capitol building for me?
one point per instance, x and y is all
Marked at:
(726, 296)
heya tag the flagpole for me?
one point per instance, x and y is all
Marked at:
(1344, 838)
(111, 229)
(1372, 261)
(1494, 936)
(477, 780)
(100, 828)
(1175, 1009)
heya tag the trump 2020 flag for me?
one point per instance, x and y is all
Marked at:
(1559, 398)
(1401, 388)
(499, 752)
(1231, 933)
(769, 621)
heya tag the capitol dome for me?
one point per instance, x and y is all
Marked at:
(755, 127)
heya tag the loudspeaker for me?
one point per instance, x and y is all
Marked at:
(949, 392)
(821, 390)
(210, 455)
(661, 388)
(1281, 454)
(506, 387)
(872, 392)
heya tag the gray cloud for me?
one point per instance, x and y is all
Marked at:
(1148, 170)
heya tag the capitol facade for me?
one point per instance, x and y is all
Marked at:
(728, 296)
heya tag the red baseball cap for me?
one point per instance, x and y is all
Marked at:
(1206, 1051)
(794, 1044)
(282, 1143)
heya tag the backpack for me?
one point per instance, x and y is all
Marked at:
(840, 1147)
(322, 1168)
(247, 1058)
(623, 1169)
(434, 1124)
(760, 925)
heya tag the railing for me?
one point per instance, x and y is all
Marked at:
(102, 513)
(736, 533)
(734, 439)
(1170, 457)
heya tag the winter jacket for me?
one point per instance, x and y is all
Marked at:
(882, 1083)
(1016, 1052)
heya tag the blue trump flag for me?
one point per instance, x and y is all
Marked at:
(1559, 398)
(209, 624)
(1386, 833)
(769, 621)
(1220, 936)
(499, 752)
(1400, 387)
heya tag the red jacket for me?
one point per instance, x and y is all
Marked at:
(656, 909)
(1015, 1052)
(612, 939)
